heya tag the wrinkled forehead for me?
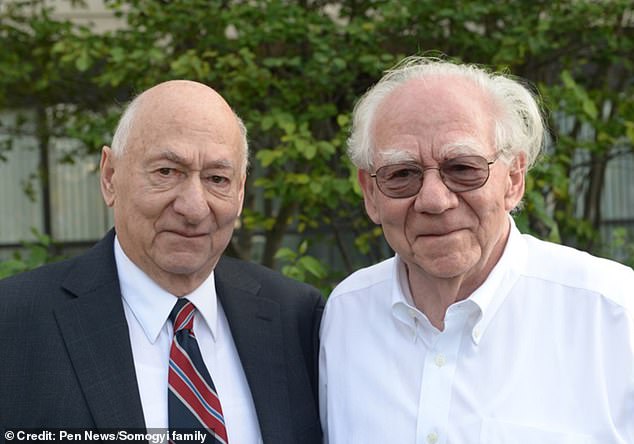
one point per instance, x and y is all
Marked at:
(450, 114)
(187, 105)
(187, 124)
(434, 95)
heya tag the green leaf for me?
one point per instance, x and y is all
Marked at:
(315, 187)
(286, 122)
(286, 254)
(298, 178)
(267, 157)
(83, 62)
(567, 79)
(313, 266)
(343, 120)
(309, 150)
(629, 131)
(267, 122)
(590, 108)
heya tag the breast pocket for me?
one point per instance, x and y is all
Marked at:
(502, 432)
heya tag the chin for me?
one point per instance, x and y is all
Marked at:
(446, 267)
(177, 264)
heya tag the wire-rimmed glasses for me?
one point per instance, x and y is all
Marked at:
(460, 174)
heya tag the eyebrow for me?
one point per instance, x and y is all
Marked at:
(453, 149)
(395, 155)
(462, 148)
(173, 157)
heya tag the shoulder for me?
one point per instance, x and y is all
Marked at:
(48, 284)
(29, 298)
(37, 283)
(366, 290)
(573, 268)
(366, 278)
(359, 303)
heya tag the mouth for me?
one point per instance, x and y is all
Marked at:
(442, 233)
(186, 234)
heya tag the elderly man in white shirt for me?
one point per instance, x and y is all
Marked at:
(472, 332)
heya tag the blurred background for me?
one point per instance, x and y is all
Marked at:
(293, 71)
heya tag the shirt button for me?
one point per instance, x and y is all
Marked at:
(440, 360)
(432, 438)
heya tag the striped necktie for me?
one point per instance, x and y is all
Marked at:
(193, 403)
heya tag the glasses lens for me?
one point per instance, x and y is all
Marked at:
(459, 174)
(465, 173)
(400, 180)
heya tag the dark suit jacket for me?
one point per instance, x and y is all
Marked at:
(66, 359)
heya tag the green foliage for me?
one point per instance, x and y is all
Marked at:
(299, 265)
(293, 70)
(36, 253)
(623, 241)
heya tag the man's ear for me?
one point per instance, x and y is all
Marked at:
(106, 167)
(370, 195)
(241, 191)
(516, 182)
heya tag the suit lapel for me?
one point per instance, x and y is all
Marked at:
(256, 329)
(95, 332)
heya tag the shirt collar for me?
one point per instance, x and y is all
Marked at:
(485, 300)
(151, 304)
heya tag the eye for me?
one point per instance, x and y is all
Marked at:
(465, 165)
(465, 172)
(166, 173)
(456, 167)
(217, 180)
(400, 172)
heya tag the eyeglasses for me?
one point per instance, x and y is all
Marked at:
(460, 174)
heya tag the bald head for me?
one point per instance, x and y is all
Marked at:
(174, 103)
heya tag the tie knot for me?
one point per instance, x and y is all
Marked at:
(182, 315)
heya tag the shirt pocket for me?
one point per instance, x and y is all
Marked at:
(503, 432)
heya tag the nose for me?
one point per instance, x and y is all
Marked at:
(191, 201)
(434, 197)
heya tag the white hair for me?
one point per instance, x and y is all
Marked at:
(519, 124)
(121, 135)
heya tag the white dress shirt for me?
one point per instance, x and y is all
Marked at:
(541, 353)
(147, 307)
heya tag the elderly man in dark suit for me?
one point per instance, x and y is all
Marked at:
(152, 328)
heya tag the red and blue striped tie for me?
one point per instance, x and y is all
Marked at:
(193, 403)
